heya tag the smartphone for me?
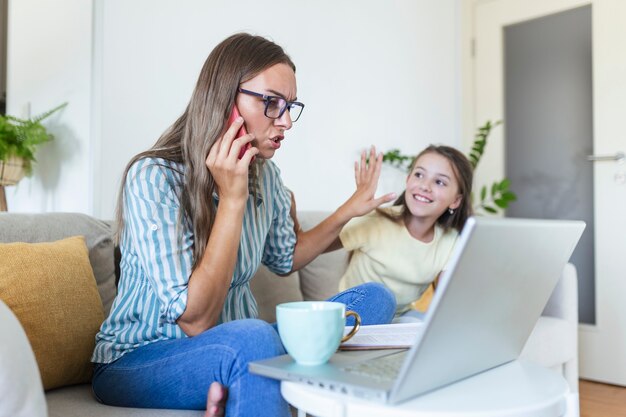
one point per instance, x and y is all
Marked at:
(234, 114)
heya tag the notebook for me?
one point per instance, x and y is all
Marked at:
(499, 279)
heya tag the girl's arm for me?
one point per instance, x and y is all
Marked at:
(210, 280)
(325, 236)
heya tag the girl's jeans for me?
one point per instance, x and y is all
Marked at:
(177, 373)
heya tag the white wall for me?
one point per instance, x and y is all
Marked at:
(4, 9)
(370, 72)
(48, 63)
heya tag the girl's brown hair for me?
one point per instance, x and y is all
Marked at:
(463, 173)
(235, 60)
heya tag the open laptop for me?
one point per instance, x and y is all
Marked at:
(498, 281)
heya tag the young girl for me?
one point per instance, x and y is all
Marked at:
(407, 245)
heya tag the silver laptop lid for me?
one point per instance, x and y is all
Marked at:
(497, 283)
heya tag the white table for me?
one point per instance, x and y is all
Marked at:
(517, 389)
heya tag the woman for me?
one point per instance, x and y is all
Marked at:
(195, 221)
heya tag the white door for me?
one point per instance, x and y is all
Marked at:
(602, 346)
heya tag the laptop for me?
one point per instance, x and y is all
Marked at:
(497, 283)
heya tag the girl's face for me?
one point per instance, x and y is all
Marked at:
(432, 187)
(278, 80)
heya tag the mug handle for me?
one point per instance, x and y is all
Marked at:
(357, 325)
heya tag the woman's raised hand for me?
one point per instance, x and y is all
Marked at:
(230, 172)
(366, 177)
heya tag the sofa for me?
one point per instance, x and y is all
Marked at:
(552, 344)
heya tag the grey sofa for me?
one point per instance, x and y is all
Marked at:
(553, 342)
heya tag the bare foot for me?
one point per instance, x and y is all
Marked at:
(216, 400)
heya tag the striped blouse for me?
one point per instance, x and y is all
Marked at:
(157, 260)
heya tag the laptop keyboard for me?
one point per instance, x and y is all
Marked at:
(382, 369)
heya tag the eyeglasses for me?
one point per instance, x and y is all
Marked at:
(275, 106)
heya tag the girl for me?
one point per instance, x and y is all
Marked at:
(406, 246)
(196, 217)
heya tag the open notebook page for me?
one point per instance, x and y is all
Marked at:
(383, 336)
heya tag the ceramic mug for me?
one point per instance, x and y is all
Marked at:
(311, 331)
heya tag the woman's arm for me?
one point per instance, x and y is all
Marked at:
(325, 236)
(210, 280)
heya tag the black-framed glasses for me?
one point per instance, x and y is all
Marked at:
(275, 106)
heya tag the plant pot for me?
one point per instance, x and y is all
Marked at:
(11, 171)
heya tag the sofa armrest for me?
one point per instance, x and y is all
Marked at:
(563, 302)
(20, 380)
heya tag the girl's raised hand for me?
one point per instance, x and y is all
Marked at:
(366, 177)
(229, 172)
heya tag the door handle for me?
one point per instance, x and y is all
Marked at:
(619, 157)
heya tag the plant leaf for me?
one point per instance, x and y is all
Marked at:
(509, 196)
(502, 203)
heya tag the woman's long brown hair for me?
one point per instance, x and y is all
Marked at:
(235, 60)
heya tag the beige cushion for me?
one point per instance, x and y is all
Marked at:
(320, 279)
(52, 290)
(270, 290)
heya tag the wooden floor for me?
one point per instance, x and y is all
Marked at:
(601, 400)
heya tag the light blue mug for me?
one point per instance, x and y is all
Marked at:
(311, 331)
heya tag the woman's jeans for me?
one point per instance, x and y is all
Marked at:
(177, 373)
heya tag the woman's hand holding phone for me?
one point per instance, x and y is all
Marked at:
(234, 114)
(228, 161)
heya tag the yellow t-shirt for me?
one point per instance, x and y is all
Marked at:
(384, 251)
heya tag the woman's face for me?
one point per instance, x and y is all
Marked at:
(432, 187)
(278, 80)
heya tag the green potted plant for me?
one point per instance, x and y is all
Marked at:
(19, 139)
(491, 199)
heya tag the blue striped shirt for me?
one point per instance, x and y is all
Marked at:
(157, 256)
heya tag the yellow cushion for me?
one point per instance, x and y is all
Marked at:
(51, 289)
(423, 302)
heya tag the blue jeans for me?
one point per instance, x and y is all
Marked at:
(374, 302)
(177, 373)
